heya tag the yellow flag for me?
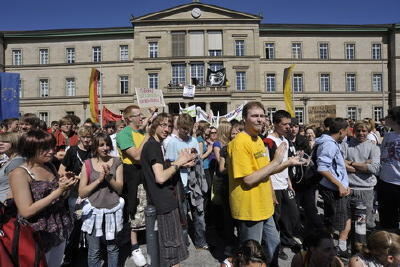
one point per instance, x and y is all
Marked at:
(287, 89)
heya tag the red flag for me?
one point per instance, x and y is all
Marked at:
(108, 115)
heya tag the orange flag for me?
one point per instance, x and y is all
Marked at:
(93, 97)
(108, 115)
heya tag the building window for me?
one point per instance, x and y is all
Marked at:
(197, 74)
(44, 56)
(123, 85)
(17, 57)
(270, 113)
(350, 51)
(20, 88)
(44, 116)
(70, 52)
(296, 50)
(270, 82)
(153, 49)
(297, 82)
(324, 82)
(376, 51)
(123, 53)
(215, 66)
(70, 112)
(153, 80)
(70, 89)
(352, 113)
(350, 82)
(196, 43)
(299, 114)
(323, 51)
(239, 48)
(178, 44)
(96, 54)
(178, 74)
(214, 43)
(377, 82)
(241, 80)
(378, 113)
(269, 50)
(215, 53)
(43, 87)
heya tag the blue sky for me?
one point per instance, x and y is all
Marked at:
(62, 14)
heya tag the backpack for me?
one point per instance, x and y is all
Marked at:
(310, 175)
(19, 244)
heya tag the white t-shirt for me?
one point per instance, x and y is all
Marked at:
(280, 180)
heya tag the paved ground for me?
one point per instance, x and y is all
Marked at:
(203, 258)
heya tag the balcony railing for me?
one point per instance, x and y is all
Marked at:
(199, 89)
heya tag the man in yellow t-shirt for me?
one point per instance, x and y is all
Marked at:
(251, 195)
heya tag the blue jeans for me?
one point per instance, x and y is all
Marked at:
(198, 223)
(94, 250)
(262, 231)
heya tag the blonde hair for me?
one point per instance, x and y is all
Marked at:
(12, 138)
(85, 131)
(224, 132)
(363, 124)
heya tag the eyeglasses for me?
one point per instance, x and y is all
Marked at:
(164, 125)
(213, 132)
(137, 115)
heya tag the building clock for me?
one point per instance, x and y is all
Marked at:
(196, 13)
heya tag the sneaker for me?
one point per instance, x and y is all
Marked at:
(342, 253)
(138, 257)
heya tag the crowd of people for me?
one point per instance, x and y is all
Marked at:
(248, 188)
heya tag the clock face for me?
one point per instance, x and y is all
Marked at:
(196, 12)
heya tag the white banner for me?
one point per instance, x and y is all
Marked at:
(189, 110)
(149, 97)
(189, 91)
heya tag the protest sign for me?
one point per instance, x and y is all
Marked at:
(149, 97)
(189, 91)
(317, 114)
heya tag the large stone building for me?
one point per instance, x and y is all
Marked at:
(355, 67)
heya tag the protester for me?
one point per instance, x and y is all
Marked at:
(193, 179)
(65, 138)
(320, 251)
(362, 159)
(72, 162)
(130, 142)
(382, 249)
(286, 212)
(389, 183)
(334, 186)
(101, 182)
(8, 146)
(310, 135)
(250, 254)
(54, 127)
(12, 124)
(373, 134)
(251, 194)
(164, 188)
(28, 122)
(39, 192)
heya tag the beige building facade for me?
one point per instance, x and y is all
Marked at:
(354, 67)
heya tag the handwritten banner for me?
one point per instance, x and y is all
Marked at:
(149, 97)
(317, 114)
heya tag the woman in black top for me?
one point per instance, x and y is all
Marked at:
(162, 186)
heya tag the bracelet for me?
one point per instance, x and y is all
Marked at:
(176, 167)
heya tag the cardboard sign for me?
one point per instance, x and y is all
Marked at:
(317, 114)
(149, 97)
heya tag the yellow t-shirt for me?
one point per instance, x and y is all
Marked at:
(245, 157)
(126, 139)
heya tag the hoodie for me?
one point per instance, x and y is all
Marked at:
(330, 158)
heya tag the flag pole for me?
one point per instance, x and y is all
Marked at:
(101, 97)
